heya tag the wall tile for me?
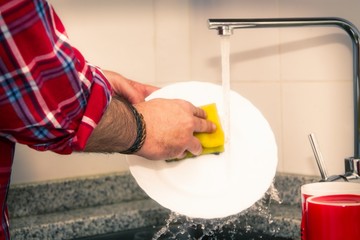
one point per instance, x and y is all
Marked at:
(255, 55)
(315, 54)
(320, 8)
(324, 109)
(267, 98)
(33, 166)
(172, 41)
(116, 35)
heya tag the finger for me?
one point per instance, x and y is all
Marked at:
(144, 89)
(150, 89)
(181, 156)
(202, 125)
(134, 96)
(198, 112)
(195, 147)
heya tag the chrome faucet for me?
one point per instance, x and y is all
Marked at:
(227, 26)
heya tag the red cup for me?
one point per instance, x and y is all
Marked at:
(333, 217)
(320, 189)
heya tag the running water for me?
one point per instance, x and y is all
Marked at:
(225, 75)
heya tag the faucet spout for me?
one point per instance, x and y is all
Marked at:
(227, 26)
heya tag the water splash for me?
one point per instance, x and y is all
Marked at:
(179, 227)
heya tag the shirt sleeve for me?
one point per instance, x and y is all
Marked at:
(51, 98)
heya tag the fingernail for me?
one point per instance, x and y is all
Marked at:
(199, 153)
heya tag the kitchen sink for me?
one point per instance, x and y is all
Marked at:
(194, 232)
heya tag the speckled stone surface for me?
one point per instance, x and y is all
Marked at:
(89, 221)
(68, 194)
(289, 186)
(76, 208)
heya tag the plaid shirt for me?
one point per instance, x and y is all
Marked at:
(50, 97)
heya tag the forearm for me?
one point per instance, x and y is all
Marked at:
(116, 132)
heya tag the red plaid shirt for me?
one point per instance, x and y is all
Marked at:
(50, 97)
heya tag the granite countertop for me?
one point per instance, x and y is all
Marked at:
(76, 208)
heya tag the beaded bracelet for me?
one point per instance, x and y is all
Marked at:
(140, 132)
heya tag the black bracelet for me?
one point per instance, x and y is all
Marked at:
(140, 132)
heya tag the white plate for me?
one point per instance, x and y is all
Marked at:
(213, 186)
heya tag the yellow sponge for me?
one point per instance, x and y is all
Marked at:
(217, 138)
(212, 143)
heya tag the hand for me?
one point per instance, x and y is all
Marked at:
(132, 91)
(170, 126)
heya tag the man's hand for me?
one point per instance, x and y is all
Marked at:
(170, 126)
(132, 91)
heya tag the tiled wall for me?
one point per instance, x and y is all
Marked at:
(300, 78)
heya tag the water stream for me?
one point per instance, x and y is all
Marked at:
(226, 88)
(225, 76)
